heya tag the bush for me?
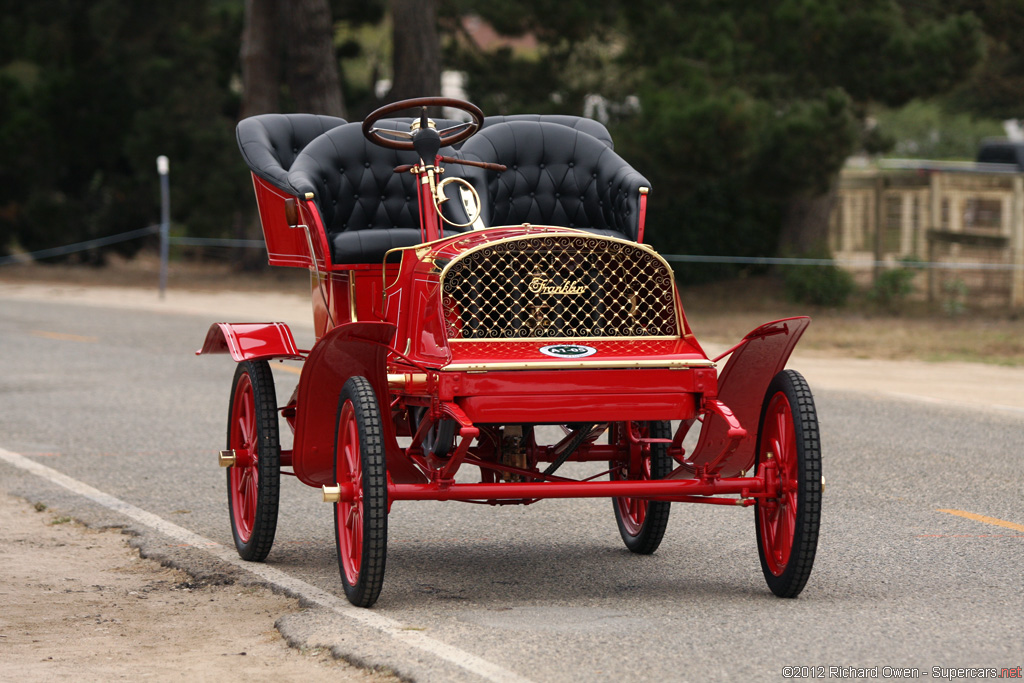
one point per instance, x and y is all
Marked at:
(954, 300)
(818, 285)
(892, 287)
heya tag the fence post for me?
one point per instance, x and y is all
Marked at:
(1017, 243)
(163, 167)
(879, 245)
(935, 224)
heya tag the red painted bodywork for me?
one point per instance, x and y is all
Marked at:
(742, 386)
(251, 341)
(288, 246)
(381, 321)
(643, 218)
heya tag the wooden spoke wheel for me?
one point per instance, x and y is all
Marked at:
(361, 524)
(642, 523)
(787, 525)
(254, 481)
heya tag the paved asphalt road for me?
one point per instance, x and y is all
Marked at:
(115, 399)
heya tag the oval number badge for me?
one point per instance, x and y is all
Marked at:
(568, 350)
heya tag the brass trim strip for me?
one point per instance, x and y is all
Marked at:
(352, 297)
(399, 381)
(572, 232)
(526, 226)
(575, 365)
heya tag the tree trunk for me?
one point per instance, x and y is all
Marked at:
(261, 87)
(805, 226)
(260, 58)
(417, 51)
(312, 67)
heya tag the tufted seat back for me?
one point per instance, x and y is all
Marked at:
(556, 176)
(365, 206)
(270, 142)
(584, 125)
(367, 209)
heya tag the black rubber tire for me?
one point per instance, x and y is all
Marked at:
(809, 488)
(366, 589)
(268, 440)
(652, 530)
(440, 438)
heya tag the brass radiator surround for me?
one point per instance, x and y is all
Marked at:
(561, 286)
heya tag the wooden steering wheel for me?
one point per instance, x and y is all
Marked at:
(400, 139)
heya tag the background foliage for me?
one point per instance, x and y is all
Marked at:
(91, 93)
(736, 111)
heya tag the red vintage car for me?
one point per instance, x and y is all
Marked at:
(471, 282)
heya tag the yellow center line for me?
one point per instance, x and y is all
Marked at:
(986, 520)
(64, 337)
(288, 368)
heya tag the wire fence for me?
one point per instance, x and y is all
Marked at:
(80, 246)
(678, 258)
(99, 242)
(850, 263)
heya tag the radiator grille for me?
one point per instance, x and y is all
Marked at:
(558, 286)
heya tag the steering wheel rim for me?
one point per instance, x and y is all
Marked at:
(453, 137)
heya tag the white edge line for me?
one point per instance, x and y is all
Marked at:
(386, 625)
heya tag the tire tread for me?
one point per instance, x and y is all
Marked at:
(375, 500)
(805, 541)
(656, 521)
(264, 526)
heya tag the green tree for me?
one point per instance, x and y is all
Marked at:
(747, 110)
(752, 111)
(90, 95)
(577, 42)
(996, 88)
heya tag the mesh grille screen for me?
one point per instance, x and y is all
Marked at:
(561, 286)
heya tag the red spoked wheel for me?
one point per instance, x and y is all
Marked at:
(361, 524)
(254, 481)
(642, 523)
(787, 525)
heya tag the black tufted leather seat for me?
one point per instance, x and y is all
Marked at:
(588, 126)
(556, 176)
(270, 142)
(365, 206)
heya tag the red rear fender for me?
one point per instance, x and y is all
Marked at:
(251, 341)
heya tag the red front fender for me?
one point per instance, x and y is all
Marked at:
(350, 349)
(742, 386)
(251, 341)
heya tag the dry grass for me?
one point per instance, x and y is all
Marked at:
(721, 312)
(724, 312)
